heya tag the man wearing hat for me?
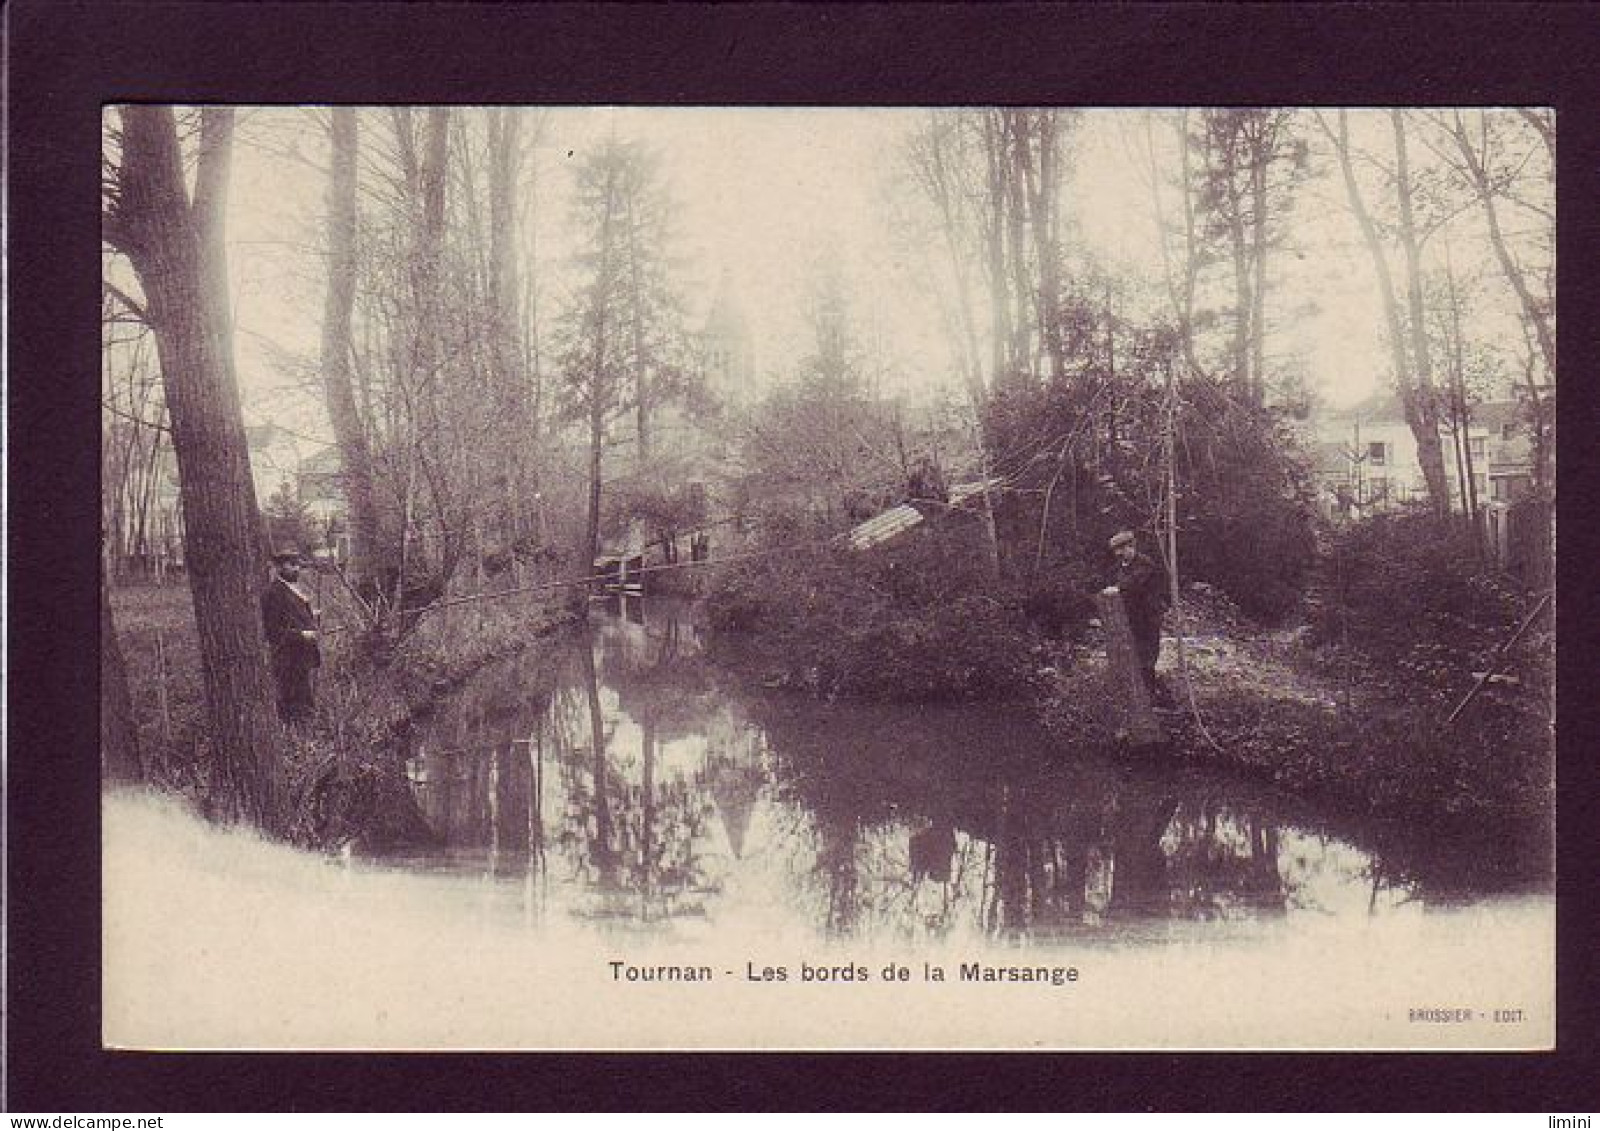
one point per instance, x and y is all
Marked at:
(291, 628)
(1143, 586)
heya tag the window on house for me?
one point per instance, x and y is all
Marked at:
(1499, 489)
(1508, 430)
(1475, 445)
(1377, 453)
(1377, 489)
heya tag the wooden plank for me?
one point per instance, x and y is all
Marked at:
(1137, 713)
(895, 521)
(880, 528)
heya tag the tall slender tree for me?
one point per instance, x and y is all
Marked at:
(1418, 399)
(1253, 162)
(119, 735)
(368, 552)
(621, 333)
(175, 244)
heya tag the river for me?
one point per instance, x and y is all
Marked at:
(617, 812)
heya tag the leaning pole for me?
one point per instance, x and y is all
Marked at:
(1138, 723)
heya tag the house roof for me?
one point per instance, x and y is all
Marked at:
(1379, 406)
(1330, 457)
(1385, 408)
(325, 462)
(1496, 414)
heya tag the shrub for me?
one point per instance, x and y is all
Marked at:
(1244, 506)
(919, 619)
(1409, 591)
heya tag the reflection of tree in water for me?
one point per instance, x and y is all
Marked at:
(918, 821)
(619, 755)
(475, 769)
(1074, 848)
(877, 795)
(1226, 860)
(659, 672)
(635, 837)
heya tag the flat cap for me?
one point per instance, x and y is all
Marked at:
(1121, 538)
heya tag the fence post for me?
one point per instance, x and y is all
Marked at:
(1123, 675)
(161, 689)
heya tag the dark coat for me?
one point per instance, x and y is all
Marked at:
(1143, 585)
(285, 614)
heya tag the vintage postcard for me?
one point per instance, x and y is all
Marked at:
(643, 577)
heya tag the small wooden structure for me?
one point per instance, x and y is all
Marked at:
(620, 574)
(1138, 719)
(895, 521)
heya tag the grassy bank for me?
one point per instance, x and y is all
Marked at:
(343, 773)
(1324, 721)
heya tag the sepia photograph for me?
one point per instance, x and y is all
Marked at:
(988, 577)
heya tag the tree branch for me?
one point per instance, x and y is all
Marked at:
(121, 296)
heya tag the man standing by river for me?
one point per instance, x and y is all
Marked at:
(1143, 587)
(291, 628)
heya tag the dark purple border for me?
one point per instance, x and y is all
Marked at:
(68, 58)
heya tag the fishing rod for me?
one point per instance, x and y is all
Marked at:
(999, 482)
(591, 579)
(1497, 662)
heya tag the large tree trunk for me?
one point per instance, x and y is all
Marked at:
(511, 363)
(425, 326)
(119, 736)
(176, 250)
(994, 241)
(1421, 417)
(1534, 311)
(1260, 239)
(636, 307)
(367, 559)
(1430, 450)
(1015, 122)
(591, 527)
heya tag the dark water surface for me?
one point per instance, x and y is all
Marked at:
(622, 777)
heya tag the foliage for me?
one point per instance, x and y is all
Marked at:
(290, 524)
(1410, 590)
(813, 451)
(1389, 755)
(918, 619)
(1086, 458)
(820, 447)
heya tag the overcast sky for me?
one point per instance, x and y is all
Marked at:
(764, 195)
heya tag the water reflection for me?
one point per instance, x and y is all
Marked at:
(623, 777)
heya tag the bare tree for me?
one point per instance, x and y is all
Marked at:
(1253, 162)
(175, 245)
(367, 552)
(119, 736)
(1491, 161)
(1477, 164)
(1413, 377)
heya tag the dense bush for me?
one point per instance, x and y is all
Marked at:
(918, 619)
(1085, 464)
(1411, 593)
